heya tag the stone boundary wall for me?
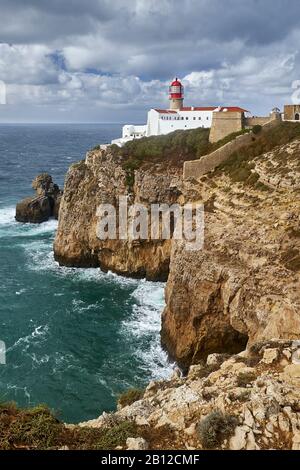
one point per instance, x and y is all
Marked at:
(257, 121)
(197, 168)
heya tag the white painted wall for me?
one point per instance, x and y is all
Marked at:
(164, 123)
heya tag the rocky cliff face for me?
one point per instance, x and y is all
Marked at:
(244, 285)
(101, 179)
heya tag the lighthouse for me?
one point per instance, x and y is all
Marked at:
(178, 117)
(176, 95)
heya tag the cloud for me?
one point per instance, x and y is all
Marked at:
(119, 56)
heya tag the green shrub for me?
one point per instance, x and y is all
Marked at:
(240, 163)
(38, 429)
(245, 378)
(256, 129)
(97, 147)
(103, 439)
(34, 428)
(130, 396)
(215, 428)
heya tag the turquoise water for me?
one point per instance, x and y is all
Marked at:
(75, 338)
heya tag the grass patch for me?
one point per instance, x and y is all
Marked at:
(175, 147)
(256, 129)
(239, 166)
(130, 396)
(245, 378)
(215, 428)
(102, 439)
(39, 429)
(35, 428)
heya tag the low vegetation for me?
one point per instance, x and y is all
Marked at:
(130, 396)
(245, 378)
(215, 428)
(240, 166)
(39, 429)
(171, 149)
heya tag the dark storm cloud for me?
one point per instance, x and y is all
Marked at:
(132, 47)
(259, 21)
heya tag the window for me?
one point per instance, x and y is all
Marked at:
(207, 118)
(182, 118)
(187, 118)
(194, 118)
(199, 118)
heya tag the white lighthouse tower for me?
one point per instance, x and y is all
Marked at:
(176, 94)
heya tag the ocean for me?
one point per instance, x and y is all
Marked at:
(75, 338)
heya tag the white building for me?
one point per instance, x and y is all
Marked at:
(178, 117)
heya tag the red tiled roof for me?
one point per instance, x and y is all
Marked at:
(232, 109)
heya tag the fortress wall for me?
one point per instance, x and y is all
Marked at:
(224, 124)
(290, 110)
(197, 168)
(257, 121)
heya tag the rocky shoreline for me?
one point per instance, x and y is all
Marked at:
(248, 401)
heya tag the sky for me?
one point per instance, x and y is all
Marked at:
(112, 60)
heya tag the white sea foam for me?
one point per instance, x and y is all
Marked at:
(7, 216)
(37, 335)
(144, 327)
(16, 389)
(41, 258)
(11, 227)
(38, 229)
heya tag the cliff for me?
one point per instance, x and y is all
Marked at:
(243, 286)
(101, 179)
(248, 401)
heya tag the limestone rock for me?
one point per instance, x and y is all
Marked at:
(292, 373)
(43, 205)
(270, 355)
(296, 441)
(261, 416)
(137, 443)
(101, 179)
(239, 440)
(34, 210)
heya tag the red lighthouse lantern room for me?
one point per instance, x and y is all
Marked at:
(176, 92)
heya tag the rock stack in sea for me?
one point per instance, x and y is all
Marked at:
(43, 205)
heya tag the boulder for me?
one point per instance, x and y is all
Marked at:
(137, 443)
(34, 210)
(43, 205)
